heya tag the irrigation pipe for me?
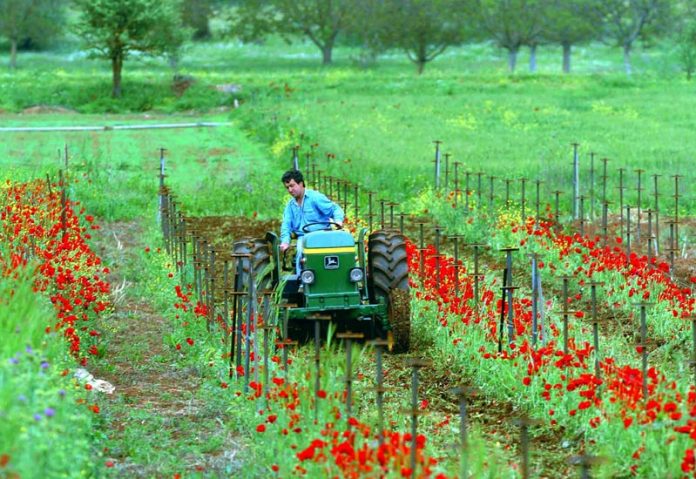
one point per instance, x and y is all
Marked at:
(113, 127)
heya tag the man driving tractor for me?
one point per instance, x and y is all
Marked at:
(307, 210)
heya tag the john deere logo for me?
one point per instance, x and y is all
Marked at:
(330, 262)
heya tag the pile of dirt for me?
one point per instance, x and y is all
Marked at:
(42, 109)
(223, 231)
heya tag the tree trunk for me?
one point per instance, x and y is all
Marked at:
(116, 68)
(512, 59)
(420, 64)
(532, 58)
(627, 58)
(326, 52)
(566, 57)
(13, 53)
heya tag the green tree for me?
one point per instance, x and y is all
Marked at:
(113, 29)
(511, 24)
(626, 21)
(22, 19)
(319, 20)
(425, 28)
(366, 28)
(685, 36)
(571, 22)
(687, 49)
(196, 14)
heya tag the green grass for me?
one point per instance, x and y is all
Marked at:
(381, 122)
(212, 170)
(38, 409)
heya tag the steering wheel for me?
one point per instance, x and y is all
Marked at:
(329, 224)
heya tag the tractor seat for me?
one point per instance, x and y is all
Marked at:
(328, 239)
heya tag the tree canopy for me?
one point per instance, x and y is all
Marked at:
(113, 29)
(570, 22)
(625, 21)
(21, 19)
(425, 28)
(511, 24)
(320, 21)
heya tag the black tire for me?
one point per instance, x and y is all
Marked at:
(257, 264)
(388, 278)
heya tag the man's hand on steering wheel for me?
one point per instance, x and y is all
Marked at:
(329, 224)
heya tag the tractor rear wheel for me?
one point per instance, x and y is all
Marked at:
(258, 264)
(388, 279)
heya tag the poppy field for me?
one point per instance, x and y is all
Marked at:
(553, 316)
(607, 363)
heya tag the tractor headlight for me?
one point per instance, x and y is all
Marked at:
(356, 274)
(307, 276)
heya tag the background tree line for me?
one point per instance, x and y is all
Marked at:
(421, 29)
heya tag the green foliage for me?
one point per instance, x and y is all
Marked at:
(424, 28)
(38, 20)
(41, 426)
(511, 24)
(196, 15)
(686, 38)
(114, 29)
(687, 50)
(569, 22)
(318, 20)
(626, 21)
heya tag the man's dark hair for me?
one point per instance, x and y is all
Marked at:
(293, 175)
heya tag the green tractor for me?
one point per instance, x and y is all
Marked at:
(357, 291)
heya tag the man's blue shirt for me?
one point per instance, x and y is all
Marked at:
(316, 207)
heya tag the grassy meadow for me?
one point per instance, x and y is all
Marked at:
(380, 122)
(378, 125)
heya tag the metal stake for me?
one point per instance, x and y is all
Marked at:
(639, 190)
(467, 190)
(523, 202)
(381, 212)
(657, 214)
(437, 164)
(415, 364)
(537, 203)
(509, 288)
(628, 233)
(557, 214)
(461, 393)
(348, 338)
(595, 328)
(644, 349)
(447, 157)
(524, 424)
(621, 199)
(576, 180)
(479, 190)
(379, 390)
(693, 345)
(457, 190)
(566, 313)
(604, 179)
(592, 185)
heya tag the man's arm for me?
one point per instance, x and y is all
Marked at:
(285, 228)
(329, 208)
